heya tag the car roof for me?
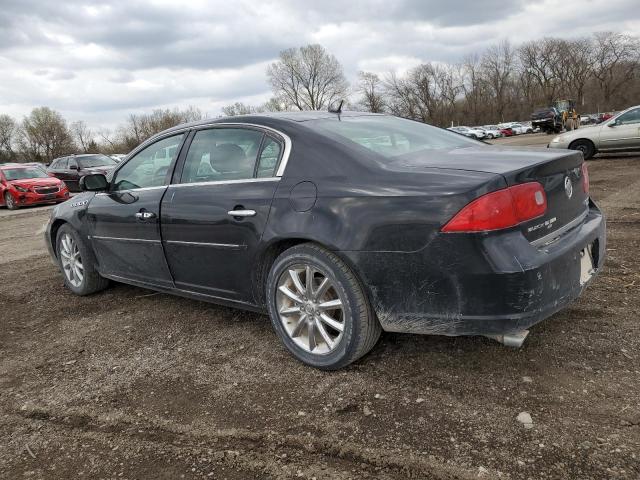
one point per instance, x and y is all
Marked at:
(293, 117)
(4, 166)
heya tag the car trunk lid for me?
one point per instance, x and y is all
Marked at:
(558, 171)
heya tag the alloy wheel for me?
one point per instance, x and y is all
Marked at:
(71, 260)
(9, 202)
(310, 309)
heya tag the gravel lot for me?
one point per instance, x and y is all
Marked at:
(132, 384)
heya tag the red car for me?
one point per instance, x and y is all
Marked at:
(22, 185)
(507, 132)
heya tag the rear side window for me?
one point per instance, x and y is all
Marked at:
(220, 154)
(269, 156)
(390, 136)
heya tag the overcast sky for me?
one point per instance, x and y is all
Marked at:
(99, 61)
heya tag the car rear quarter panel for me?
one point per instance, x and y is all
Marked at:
(395, 213)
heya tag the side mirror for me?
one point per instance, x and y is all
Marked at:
(613, 124)
(95, 182)
(73, 166)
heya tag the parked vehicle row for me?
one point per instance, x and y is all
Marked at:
(489, 132)
(23, 185)
(334, 223)
(72, 168)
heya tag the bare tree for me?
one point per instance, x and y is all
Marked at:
(370, 87)
(44, 135)
(308, 77)
(474, 89)
(82, 135)
(7, 138)
(497, 65)
(276, 104)
(238, 108)
(139, 127)
(577, 60)
(617, 58)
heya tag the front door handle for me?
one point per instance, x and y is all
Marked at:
(145, 215)
(242, 213)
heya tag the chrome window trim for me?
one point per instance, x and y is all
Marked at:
(227, 182)
(287, 141)
(556, 234)
(185, 130)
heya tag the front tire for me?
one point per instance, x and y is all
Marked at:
(77, 263)
(319, 309)
(10, 202)
(585, 146)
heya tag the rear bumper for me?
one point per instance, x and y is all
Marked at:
(463, 284)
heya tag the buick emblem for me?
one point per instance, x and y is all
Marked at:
(568, 187)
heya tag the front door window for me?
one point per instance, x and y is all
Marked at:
(149, 167)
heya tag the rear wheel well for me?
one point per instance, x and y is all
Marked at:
(265, 261)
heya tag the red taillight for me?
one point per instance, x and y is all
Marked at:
(500, 209)
(585, 177)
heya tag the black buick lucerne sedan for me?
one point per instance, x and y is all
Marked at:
(340, 226)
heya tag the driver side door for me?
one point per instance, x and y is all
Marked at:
(124, 223)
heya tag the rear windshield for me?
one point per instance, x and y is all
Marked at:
(390, 136)
(23, 173)
(96, 161)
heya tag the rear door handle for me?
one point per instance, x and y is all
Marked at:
(242, 213)
(145, 215)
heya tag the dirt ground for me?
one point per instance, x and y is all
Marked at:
(132, 384)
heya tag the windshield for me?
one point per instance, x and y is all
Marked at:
(23, 173)
(95, 161)
(390, 136)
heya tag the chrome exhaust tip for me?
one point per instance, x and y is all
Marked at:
(514, 340)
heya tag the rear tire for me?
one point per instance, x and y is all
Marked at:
(10, 202)
(313, 332)
(77, 263)
(587, 148)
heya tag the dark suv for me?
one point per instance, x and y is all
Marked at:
(72, 168)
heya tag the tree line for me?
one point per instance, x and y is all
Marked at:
(502, 83)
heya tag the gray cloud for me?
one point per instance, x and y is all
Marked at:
(100, 59)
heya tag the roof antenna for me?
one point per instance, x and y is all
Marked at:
(336, 110)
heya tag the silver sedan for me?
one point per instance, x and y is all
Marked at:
(618, 134)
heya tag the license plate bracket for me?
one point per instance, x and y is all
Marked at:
(586, 265)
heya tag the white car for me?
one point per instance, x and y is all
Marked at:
(518, 128)
(490, 131)
(468, 132)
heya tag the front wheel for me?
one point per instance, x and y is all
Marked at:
(585, 146)
(76, 263)
(490, 136)
(319, 309)
(10, 202)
